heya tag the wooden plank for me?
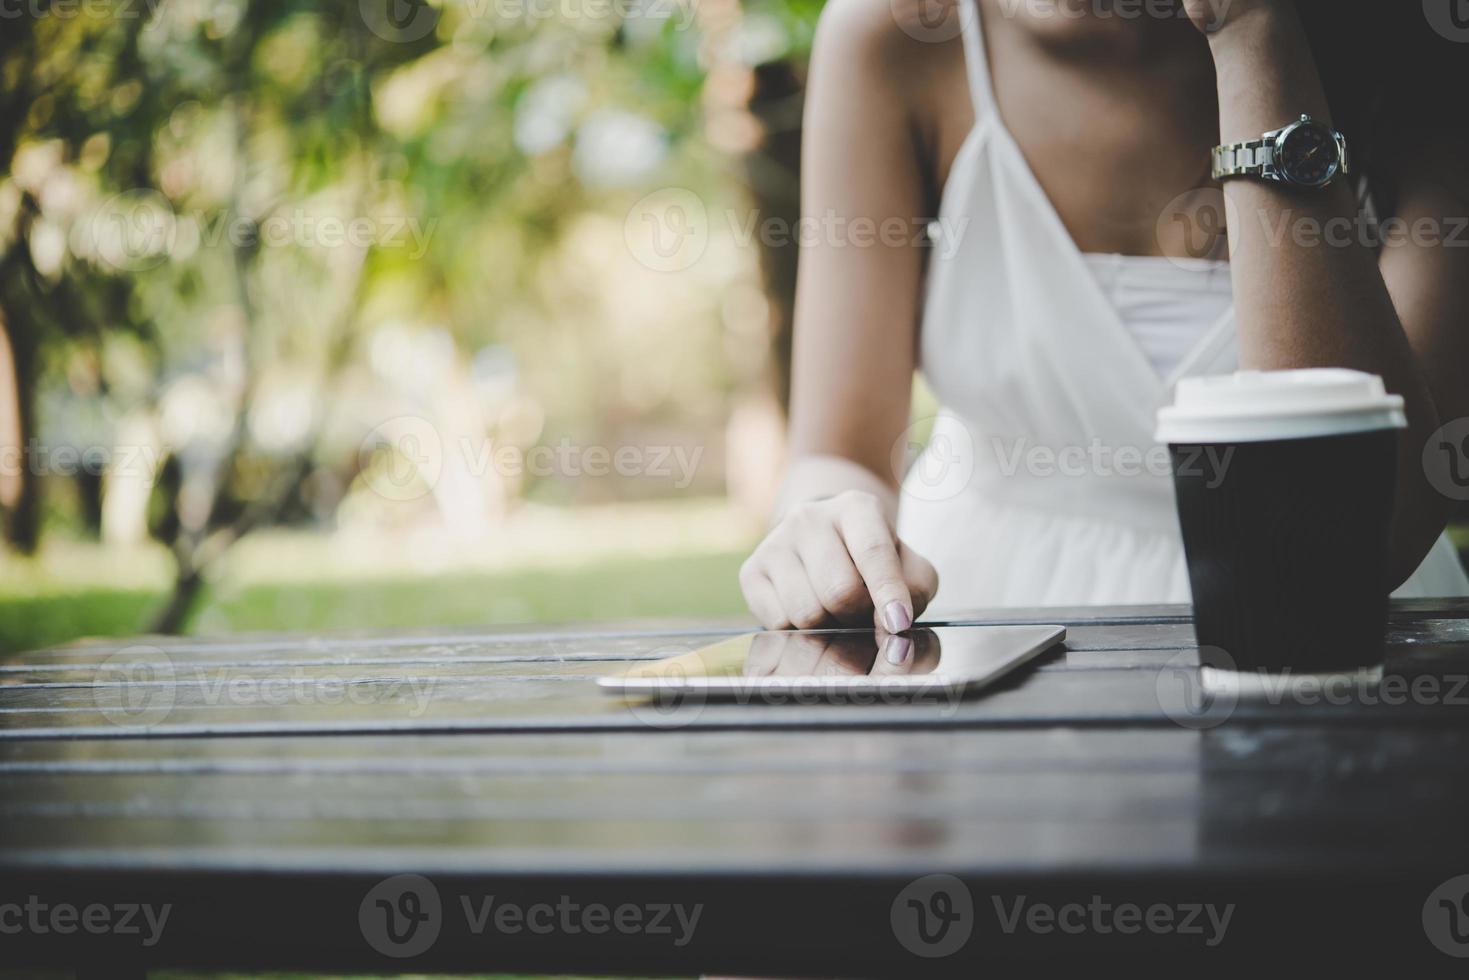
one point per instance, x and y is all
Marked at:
(346, 801)
(343, 799)
(69, 663)
(515, 649)
(1450, 612)
(146, 670)
(645, 750)
(453, 636)
(201, 683)
(1047, 795)
(602, 638)
(1448, 607)
(1292, 750)
(1431, 688)
(309, 651)
(1072, 615)
(1140, 840)
(1429, 629)
(335, 643)
(1092, 652)
(850, 823)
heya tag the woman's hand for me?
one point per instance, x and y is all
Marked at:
(836, 560)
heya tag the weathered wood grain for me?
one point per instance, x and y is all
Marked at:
(264, 785)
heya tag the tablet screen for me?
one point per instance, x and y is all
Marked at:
(951, 657)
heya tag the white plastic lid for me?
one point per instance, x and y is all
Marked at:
(1262, 406)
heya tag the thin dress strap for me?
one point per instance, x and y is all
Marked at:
(976, 62)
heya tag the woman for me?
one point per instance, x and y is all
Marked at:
(1066, 147)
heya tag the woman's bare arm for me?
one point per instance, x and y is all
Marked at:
(856, 305)
(1304, 300)
(833, 555)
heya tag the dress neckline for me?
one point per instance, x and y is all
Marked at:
(1159, 272)
(987, 114)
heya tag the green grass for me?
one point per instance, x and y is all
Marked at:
(28, 622)
(682, 585)
(545, 565)
(677, 585)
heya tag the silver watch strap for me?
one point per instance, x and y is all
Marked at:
(1255, 158)
(1243, 159)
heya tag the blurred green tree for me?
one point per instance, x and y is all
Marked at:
(208, 213)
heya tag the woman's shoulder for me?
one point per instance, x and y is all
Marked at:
(906, 56)
(917, 37)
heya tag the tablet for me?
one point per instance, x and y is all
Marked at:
(923, 660)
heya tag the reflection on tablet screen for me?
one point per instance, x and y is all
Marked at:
(957, 657)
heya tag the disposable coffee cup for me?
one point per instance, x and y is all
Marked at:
(1284, 483)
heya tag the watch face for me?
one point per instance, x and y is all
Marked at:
(1307, 154)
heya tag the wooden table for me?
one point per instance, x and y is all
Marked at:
(271, 791)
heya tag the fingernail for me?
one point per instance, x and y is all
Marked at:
(897, 650)
(897, 617)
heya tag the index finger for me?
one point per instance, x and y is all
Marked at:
(874, 551)
(894, 655)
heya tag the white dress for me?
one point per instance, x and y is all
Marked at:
(1041, 484)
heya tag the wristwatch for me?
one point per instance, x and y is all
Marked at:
(1306, 154)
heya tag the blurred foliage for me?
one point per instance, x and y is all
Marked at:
(236, 235)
